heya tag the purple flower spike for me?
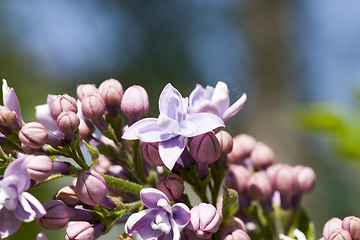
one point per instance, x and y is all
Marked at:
(160, 220)
(172, 126)
(10, 99)
(15, 204)
(215, 101)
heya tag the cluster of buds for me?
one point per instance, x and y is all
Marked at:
(136, 172)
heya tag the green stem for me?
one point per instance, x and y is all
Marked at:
(123, 184)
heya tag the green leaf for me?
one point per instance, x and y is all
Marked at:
(94, 153)
(230, 202)
(303, 223)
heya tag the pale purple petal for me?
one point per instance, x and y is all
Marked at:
(43, 115)
(168, 92)
(171, 150)
(23, 211)
(233, 109)
(10, 99)
(185, 103)
(221, 97)
(198, 95)
(11, 225)
(79, 113)
(137, 219)
(181, 214)
(188, 128)
(146, 232)
(18, 168)
(151, 196)
(205, 122)
(35, 204)
(50, 98)
(208, 107)
(174, 234)
(146, 130)
(168, 124)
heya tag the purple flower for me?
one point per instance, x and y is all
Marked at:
(215, 100)
(16, 205)
(10, 99)
(172, 126)
(160, 220)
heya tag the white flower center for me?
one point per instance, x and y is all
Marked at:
(161, 222)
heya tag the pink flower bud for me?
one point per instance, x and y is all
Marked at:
(231, 224)
(306, 178)
(187, 234)
(39, 166)
(135, 103)
(7, 116)
(86, 129)
(331, 225)
(243, 144)
(92, 106)
(68, 122)
(56, 217)
(262, 156)
(84, 89)
(91, 188)
(172, 185)
(225, 141)
(80, 231)
(205, 148)
(204, 220)
(352, 225)
(68, 195)
(33, 135)
(259, 187)
(236, 235)
(111, 92)
(236, 178)
(339, 234)
(285, 180)
(62, 103)
(150, 152)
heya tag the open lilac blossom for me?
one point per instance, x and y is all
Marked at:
(215, 100)
(172, 126)
(160, 220)
(10, 99)
(16, 205)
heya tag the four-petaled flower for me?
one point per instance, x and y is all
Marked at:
(10, 99)
(16, 205)
(172, 126)
(215, 100)
(160, 220)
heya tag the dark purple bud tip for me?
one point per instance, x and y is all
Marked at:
(56, 217)
(33, 135)
(91, 188)
(62, 103)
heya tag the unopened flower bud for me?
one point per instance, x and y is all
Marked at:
(39, 166)
(259, 187)
(331, 225)
(92, 106)
(339, 234)
(33, 135)
(187, 234)
(84, 89)
(7, 116)
(238, 234)
(306, 178)
(262, 156)
(205, 148)
(62, 103)
(150, 152)
(172, 185)
(56, 217)
(236, 178)
(68, 195)
(204, 220)
(352, 225)
(231, 224)
(285, 180)
(243, 144)
(111, 92)
(86, 129)
(135, 103)
(80, 231)
(225, 141)
(68, 122)
(91, 188)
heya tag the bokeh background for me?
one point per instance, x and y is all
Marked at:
(282, 53)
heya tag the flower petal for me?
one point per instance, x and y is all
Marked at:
(188, 128)
(135, 220)
(209, 107)
(23, 211)
(166, 93)
(168, 124)
(35, 204)
(10, 99)
(181, 214)
(205, 122)
(151, 196)
(11, 225)
(198, 95)
(221, 97)
(18, 168)
(233, 109)
(171, 150)
(43, 115)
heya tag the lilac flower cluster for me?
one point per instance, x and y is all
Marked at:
(137, 171)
